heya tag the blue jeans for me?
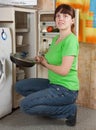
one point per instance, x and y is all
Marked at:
(43, 98)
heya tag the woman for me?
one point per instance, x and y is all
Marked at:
(55, 97)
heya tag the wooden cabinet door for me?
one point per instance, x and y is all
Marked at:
(84, 75)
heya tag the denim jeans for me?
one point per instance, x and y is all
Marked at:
(43, 98)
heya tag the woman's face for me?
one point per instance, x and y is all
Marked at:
(63, 21)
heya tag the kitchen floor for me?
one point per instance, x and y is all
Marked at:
(86, 120)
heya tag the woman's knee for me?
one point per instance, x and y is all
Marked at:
(18, 87)
(22, 86)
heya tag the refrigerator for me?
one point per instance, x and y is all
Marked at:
(5, 71)
(15, 22)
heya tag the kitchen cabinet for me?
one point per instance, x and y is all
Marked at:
(46, 6)
(84, 74)
(22, 22)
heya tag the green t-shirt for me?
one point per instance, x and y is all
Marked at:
(67, 47)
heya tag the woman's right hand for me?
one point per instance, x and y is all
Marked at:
(38, 59)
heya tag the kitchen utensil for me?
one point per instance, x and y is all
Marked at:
(20, 60)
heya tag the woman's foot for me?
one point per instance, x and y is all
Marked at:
(71, 121)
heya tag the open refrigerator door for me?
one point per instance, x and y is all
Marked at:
(5, 72)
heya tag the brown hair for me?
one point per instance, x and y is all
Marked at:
(65, 9)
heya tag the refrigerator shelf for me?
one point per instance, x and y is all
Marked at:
(49, 34)
(22, 30)
(23, 45)
(47, 23)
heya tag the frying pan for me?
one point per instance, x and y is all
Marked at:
(22, 60)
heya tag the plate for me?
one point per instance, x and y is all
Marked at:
(21, 60)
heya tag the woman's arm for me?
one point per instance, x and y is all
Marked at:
(63, 69)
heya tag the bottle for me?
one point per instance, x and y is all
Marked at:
(43, 47)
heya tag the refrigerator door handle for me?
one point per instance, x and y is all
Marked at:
(3, 35)
(2, 72)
